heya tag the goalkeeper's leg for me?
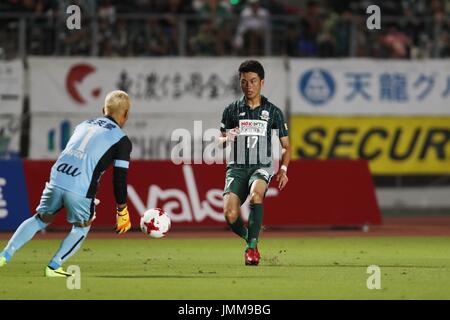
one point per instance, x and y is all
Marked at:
(50, 204)
(80, 213)
(24, 233)
(70, 245)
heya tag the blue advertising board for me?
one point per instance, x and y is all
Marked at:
(14, 207)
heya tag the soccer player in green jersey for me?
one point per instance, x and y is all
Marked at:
(247, 125)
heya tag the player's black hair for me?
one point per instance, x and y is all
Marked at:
(252, 66)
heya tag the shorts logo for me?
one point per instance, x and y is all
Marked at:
(265, 115)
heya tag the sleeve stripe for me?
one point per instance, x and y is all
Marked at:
(121, 164)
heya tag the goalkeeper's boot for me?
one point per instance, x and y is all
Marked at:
(56, 273)
(2, 261)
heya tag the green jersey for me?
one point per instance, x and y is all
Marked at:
(252, 148)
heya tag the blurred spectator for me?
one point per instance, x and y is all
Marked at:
(441, 33)
(304, 42)
(171, 22)
(106, 11)
(218, 10)
(205, 41)
(76, 42)
(395, 43)
(319, 28)
(342, 32)
(156, 43)
(218, 22)
(147, 6)
(253, 24)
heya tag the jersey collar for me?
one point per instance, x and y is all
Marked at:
(112, 119)
(244, 104)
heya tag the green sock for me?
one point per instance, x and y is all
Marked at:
(254, 223)
(239, 228)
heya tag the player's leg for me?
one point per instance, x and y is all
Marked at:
(235, 193)
(80, 213)
(258, 182)
(51, 203)
(231, 210)
(257, 191)
(70, 245)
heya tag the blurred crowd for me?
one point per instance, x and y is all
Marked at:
(301, 28)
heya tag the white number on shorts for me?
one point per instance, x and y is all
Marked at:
(228, 183)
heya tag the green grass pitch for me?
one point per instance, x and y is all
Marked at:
(213, 268)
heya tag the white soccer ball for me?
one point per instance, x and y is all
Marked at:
(155, 223)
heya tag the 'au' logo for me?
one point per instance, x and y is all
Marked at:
(68, 169)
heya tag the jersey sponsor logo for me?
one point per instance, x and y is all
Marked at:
(265, 115)
(68, 169)
(252, 127)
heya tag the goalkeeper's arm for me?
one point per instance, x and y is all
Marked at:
(123, 223)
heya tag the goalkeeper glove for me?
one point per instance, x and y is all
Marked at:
(123, 223)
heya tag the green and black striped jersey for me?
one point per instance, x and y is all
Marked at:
(252, 147)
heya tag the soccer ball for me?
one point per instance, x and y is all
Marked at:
(155, 223)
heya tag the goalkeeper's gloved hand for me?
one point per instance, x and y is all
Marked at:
(123, 223)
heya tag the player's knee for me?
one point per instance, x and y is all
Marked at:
(46, 218)
(256, 197)
(231, 214)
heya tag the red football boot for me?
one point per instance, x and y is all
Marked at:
(256, 256)
(252, 257)
(248, 256)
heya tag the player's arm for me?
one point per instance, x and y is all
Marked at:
(227, 132)
(228, 135)
(120, 175)
(281, 177)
